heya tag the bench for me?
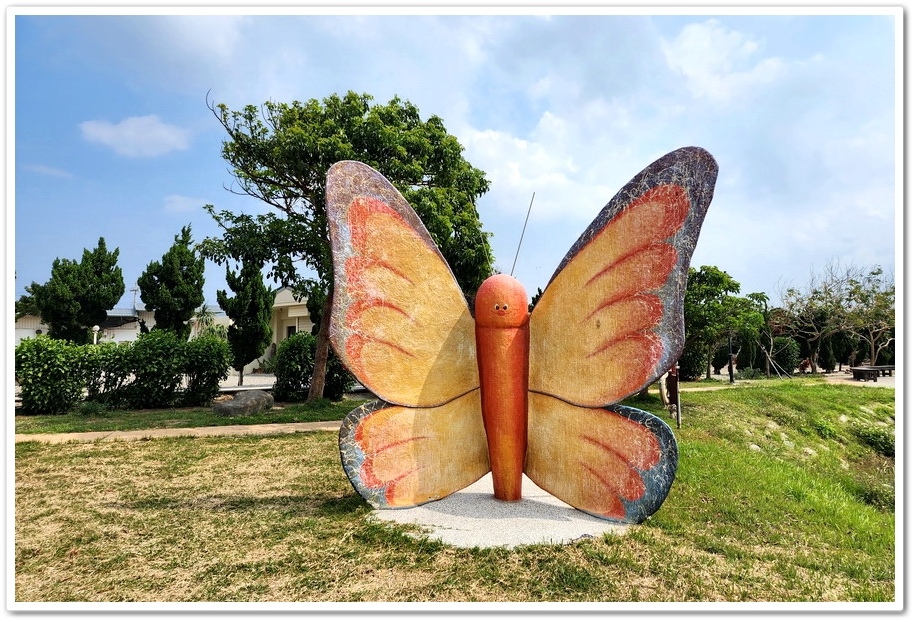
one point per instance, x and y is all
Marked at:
(870, 373)
(885, 370)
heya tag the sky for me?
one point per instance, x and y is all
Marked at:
(113, 137)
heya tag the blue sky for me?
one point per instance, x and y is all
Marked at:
(113, 136)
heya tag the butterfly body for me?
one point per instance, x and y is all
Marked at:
(503, 390)
(502, 337)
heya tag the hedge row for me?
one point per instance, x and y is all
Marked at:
(155, 371)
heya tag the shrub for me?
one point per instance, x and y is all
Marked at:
(745, 374)
(293, 368)
(157, 364)
(54, 374)
(106, 370)
(49, 374)
(338, 379)
(206, 364)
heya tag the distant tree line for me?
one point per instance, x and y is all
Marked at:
(843, 315)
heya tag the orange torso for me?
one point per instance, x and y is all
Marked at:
(501, 328)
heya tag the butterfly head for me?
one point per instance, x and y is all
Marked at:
(501, 302)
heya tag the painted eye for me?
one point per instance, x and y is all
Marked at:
(505, 307)
(496, 307)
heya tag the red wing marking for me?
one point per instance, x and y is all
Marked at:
(357, 343)
(645, 342)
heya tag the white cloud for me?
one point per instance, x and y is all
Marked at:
(51, 171)
(181, 203)
(213, 37)
(137, 137)
(718, 63)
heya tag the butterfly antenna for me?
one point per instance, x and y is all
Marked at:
(512, 272)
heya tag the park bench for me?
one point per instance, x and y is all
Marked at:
(885, 370)
(870, 373)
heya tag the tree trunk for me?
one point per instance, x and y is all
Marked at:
(316, 385)
(241, 375)
(814, 349)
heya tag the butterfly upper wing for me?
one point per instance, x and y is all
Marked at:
(609, 323)
(399, 321)
(401, 325)
(611, 319)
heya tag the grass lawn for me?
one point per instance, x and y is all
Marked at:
(784, 493)
(92, 419)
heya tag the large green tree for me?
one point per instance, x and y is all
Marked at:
(250, 311)
(78, 295)
(173, 288)
(713, 316)
(280, 153)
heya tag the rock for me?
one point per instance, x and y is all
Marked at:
(248, 402)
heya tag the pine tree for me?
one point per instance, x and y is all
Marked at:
(250, 311)
(79, 294)
(174, 288)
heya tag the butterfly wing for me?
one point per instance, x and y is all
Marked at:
(608, 324)
(611, 319)
(399, 456)
(401, 325)
(399, 320)
(617, 462)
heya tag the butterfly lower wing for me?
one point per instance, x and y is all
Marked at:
(399, 456)
(399, 320)
(617, 463)
(611, 319)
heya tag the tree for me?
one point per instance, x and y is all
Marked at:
(840, 310)
(280, 154)
(250, 310)
(25, 304)
(174, 288)
(705, 317)
(872, 310)
(78, 295)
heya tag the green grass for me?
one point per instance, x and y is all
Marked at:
(779, 497)
(89, 420)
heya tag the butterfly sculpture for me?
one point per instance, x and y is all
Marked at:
(500, 390)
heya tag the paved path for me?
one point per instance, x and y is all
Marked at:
(203, 431)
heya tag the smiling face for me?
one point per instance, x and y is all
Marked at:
(501, 302)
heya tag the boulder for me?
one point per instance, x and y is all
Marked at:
(247, 402)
